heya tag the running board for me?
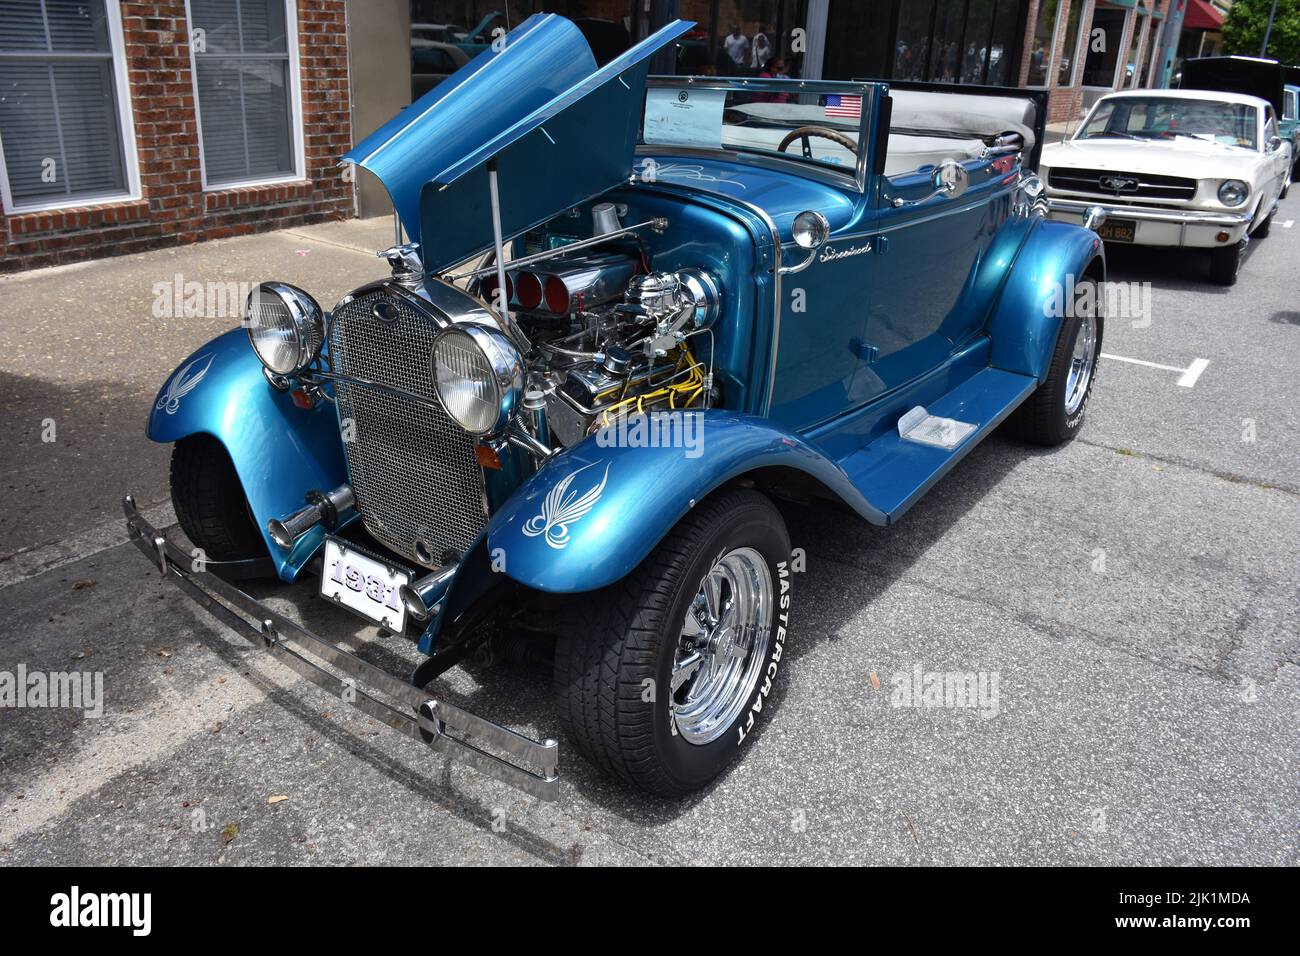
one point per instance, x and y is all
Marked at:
(443, 727)
(893, 473)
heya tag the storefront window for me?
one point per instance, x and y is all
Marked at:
(743, 38)
(1148, 61)
(946, 56)
(858, 43)
(1133, 64)
(913, 48)
(1040, 54)
(975, 52)
(1105, 45)
(1008, 31)
(1070, 49)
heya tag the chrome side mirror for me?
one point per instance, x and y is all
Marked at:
(948, 179)
(1273, 145)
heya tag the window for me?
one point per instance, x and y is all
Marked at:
(945, 55)
(1104, 47)
(65, 127)
(1149, 61)
(1163, 118)
(1040, 57)
(913, 47)
(1070, 49)
(246, 86)
(1290, 110)
(1133, 66)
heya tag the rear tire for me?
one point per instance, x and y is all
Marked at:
(1054, 413)
(622, 649)
(1225, 263)
(210, 503)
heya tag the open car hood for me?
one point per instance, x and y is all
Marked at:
(560, 130)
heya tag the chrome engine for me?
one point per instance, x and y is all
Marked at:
(609, 337)
(598, 336)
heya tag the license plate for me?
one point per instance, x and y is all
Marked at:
(364, 584)
(1118, 230)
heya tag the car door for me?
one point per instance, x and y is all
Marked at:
(1276, 160)
(928, 254)
(823, 318)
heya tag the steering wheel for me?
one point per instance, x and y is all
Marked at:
(805, 132)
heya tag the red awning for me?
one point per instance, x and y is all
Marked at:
(1201, 15)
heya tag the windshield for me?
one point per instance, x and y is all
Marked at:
(1153, 117)
(773, 118)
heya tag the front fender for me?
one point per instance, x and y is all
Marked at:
(280, 451)
(593, 513)
(1025, 321)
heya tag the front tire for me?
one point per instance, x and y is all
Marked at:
(662, 678)
(1225, 263)
(210, 503)
(1265, 226)
(1054, 413)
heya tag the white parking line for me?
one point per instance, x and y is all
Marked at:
(1287, 224)
(1189, 374)
(1193, 372)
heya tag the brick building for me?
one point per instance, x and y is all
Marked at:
(131, 125)
(126, 124)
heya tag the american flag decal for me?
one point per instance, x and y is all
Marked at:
(843, 106)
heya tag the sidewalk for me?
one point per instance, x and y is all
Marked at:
(1058, 131)
(82, 356)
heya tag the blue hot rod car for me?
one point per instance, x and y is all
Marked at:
(632, 312)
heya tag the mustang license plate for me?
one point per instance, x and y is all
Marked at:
(1118, 230)
(364, 584)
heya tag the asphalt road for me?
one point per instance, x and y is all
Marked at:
(1134, 595)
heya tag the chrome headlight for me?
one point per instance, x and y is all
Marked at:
(1233, 192)
(479, 375)
(286, 327)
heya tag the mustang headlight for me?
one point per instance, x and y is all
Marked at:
(285, 327)
(479, 375)
(1233, 192)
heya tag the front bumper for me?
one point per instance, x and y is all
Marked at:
(443, 727)
(1161, 226)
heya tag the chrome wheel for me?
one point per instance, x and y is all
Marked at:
(722, 646)
(1081, 364)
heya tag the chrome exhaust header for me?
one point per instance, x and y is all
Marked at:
(422, 596)
(320, 507)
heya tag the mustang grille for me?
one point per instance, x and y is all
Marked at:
(418, 486)
(1117, 185)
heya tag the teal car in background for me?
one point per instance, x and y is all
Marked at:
(1288, 126)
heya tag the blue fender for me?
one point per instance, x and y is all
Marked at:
(280, 451)
(593, 513)
(1023, 326)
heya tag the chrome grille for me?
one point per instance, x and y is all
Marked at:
(417, 482)
(1122, 185)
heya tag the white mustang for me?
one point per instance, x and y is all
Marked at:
(1173, 168)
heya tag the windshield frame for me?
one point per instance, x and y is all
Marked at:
(789, 162)
(1154, 95)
